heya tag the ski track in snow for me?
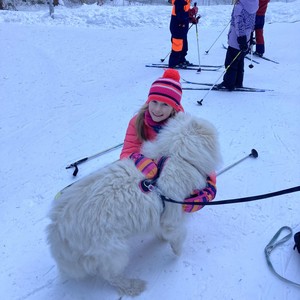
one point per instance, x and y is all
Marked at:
(28, 295)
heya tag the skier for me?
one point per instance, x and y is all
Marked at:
(181, 16)
(241, 25)
(259, 27)
(164, 101)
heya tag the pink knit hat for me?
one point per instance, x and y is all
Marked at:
(167, 89)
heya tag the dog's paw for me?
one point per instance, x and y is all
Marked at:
(132, 287)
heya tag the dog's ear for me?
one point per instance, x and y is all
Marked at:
(201, 128)
(202, 144)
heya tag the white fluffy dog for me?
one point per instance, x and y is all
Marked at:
(92, 219)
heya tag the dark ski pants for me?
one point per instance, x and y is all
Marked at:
(234, 75)
(179, 42)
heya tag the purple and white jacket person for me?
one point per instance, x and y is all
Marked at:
(242, 21)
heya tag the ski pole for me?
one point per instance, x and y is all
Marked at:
(251, 56)
(253, 154)
(200, 101)
(206, 52)
(163, 59)
(199, 70)
(197, 37)
(80, 161)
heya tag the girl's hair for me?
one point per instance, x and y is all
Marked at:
(140, 122)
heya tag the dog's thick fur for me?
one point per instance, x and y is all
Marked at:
(92, 219)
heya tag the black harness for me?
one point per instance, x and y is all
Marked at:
(148, 185)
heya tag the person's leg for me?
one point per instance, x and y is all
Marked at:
(240, 71)
(259, 35)
(184, 45)
(231, 64)
(175, 53)
(179, 33)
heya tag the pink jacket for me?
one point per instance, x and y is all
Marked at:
(131, 141)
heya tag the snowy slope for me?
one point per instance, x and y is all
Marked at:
(68, 87)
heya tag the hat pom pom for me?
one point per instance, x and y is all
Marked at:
(172, 74)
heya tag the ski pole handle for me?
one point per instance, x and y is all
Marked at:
(80, 161)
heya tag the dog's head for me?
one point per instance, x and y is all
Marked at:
(189, 138)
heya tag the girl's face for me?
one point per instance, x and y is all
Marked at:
(159, 111)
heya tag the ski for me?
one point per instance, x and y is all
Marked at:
(247, 57)
(197, 83)
(243, 89)
(266, 58)
(194, 68)
(207, 86)
(191, 65)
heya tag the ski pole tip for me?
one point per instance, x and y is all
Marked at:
(199, 70)
(200, 102)
(254, 153)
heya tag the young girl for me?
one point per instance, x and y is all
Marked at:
(241, 26)
(164, 102)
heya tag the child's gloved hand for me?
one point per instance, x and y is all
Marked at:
(242, 41)
(201, 196)
(146, 165)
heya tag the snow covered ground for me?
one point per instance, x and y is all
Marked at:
(68, 87)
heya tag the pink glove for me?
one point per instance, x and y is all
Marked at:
(201, 196)
(146, 165)
(193, 18)
(193, 11)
